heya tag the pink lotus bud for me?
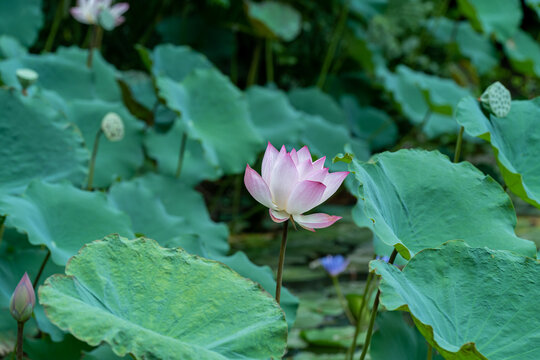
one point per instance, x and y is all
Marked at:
(23, 300)
(291, 184)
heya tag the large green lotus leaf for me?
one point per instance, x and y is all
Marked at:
(10, 47)
(118, 159)
(274, 20)
(475, 46)
(315, 102)
(274, 117)
(66, 73)
(262, 275)
(37, 142)
(513, 140)
(181, 200)
(21, 19)
(149, 217)
(165, 149)
(469, 303)
(211, 106)
(395, 339)
(415, 106)
(499, 17)
(370, 124)
(524, 53)
(418, 199)
(103, 352)
(158, 303)
(176, 62)
(62, 217)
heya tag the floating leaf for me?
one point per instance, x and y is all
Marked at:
(454, 295)
(210, 106)
(340, 337)
(273, 116)
(62, 217)
(21, 19)
(512, 139)
(275, 20)
(418, 199)
(119, 159)
(499, 17)
(162, 303)
(37, 142)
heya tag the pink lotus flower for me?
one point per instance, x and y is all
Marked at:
(292, 184)
(23, 300)
(87, 11)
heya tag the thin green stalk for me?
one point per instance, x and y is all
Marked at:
(93, 161)
(55, 25)
(93, 39)
(181, 155)
(342, 299)
(429, 352)
(237, 196)
(458, 145)
(269, 62)
(20, 331)
(36, 280)
(334, 42)
(352, 348)
(281, 260)
(254, 67)
(374, 314)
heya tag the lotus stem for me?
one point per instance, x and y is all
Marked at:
(374, 314)
(269, 62)
(281, 260)
(342, 300)
(93, 161)
(254, 67)
(181, 155)
(54, 28)
(93, 41)
(458, 145)
(36, 280)
(359, 314)
(429, 351)
(336, 36)
(2, 227)
(20, 329)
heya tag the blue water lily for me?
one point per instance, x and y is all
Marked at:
(334, 265)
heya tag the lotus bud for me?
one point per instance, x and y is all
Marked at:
(113, 127)
(26, 77)
(497, 99)
(23, 300)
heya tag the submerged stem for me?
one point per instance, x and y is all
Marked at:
(93, 161)
(342, 299)
(36, 280)
(374, 314)
(181, 155)
(458, 145)
(281, 260)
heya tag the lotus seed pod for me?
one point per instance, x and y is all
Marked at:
(497, 99)
(23, 300)
(26, 77)
(113, 127)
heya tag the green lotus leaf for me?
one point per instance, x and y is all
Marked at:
(22, 20)
(469, 303)
(512, 139)
(395, 339)
(499, 17)
(118, 159)
(62, 217)
(37, 142)
(103, 352)
(274, 20)
(273, 116)
(313, 101)
(176, 62)
(10, 47)
(45, 349)
(340, 337)
(210, 106)
(524, 53)
(65, 72)
(149, 217)
(418, 199)
(157, 303)
(534, 4)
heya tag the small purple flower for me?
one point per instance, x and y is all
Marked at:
(383, 258)
(334, 265)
